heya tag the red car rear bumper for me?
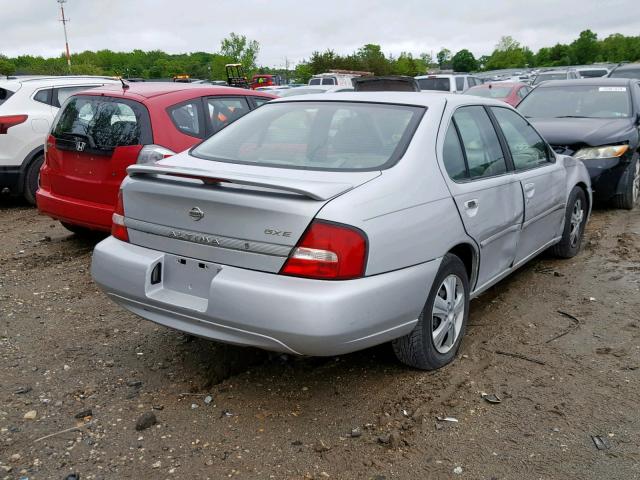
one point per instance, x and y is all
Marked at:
(96, 216)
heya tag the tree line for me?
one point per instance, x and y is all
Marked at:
(508, 53)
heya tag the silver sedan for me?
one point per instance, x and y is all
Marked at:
(325, 224)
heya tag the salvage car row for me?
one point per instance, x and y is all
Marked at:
(313, 225)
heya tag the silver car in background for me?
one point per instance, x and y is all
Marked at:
(325, 224)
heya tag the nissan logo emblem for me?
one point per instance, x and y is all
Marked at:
(196, 213)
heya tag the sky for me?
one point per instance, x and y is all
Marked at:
(293, 29)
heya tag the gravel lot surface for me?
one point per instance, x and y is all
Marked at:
(558, 342)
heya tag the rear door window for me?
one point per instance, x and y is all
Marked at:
(221, 111)
(329, 81)
(259, 101)
(100, 124)
(452, 155)
(187, 117)
(315, 81)
(459, 84)
(480, 142)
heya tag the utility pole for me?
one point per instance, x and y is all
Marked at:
(64, 26)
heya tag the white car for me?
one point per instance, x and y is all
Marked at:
(453, 83)
(309, 89)
(27, 109)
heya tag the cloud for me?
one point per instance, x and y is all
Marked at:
(293, 29)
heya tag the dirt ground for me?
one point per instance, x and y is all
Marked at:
(67, 351)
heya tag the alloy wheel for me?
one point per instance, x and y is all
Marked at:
(577, 216)
(448, 313)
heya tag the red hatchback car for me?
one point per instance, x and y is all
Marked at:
(509, 92)
(99, 133)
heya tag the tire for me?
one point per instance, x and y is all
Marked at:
(574, 222)
(628, 199)
(419, 349)
(32, 178)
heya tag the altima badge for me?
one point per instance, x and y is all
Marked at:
(196, 214)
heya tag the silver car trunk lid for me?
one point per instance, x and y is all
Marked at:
(241, 215)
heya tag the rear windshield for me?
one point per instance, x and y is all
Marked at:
(626, 73)
(593, 73)
(334, 136)
(493, 92)
(4, 95)
(102, 124)
(582, 101)
(543, 77)
(442, 84)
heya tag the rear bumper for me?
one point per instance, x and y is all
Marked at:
(273, 312)
(95, 216)
(605, 176)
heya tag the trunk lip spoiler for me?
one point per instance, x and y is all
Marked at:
(314, 189)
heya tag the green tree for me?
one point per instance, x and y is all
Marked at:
(464, 61)
(6, 67)
(585, 48)
(444, 58)
(241, 50)
(509, 54)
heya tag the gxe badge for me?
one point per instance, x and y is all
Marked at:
(196, 213)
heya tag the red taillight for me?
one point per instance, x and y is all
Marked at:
(153, 153)
(8, 121)
(118, 229)
(328, 251)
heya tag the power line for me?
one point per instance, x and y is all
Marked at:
(64, 26)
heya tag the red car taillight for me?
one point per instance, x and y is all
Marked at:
(328, 251)
(153, 154)
(8, 121)
(118, 229)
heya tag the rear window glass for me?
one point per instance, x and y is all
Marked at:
(544, 77)
(331, 136)
(102, 124)
(593, 73)
(626, 73)
(493, 92)
(4, 95)
(442, 84)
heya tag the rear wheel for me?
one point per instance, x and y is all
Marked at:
(629, 197)
(436, 337)
(32, 179)
(575, 219)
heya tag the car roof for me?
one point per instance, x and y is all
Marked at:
(61, 80)
(599, 81)
(142, 91)
(420, 99)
